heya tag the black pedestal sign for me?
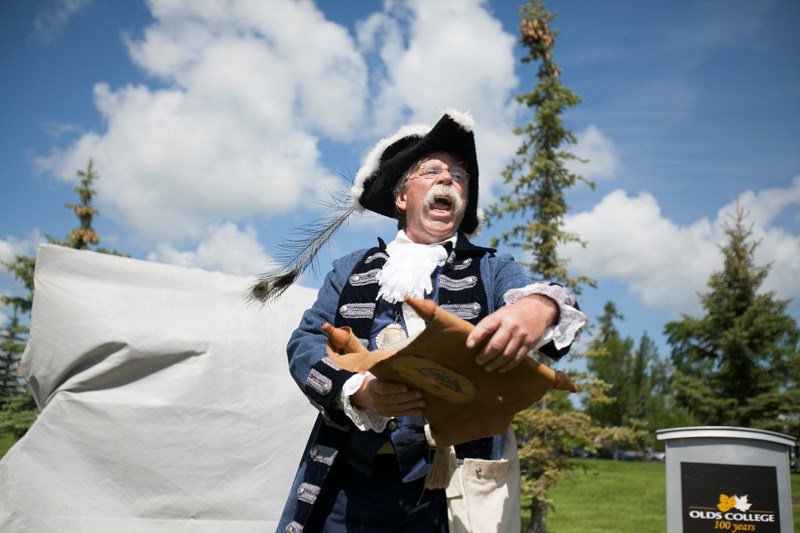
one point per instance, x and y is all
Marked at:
(727, 480)
(730, 498)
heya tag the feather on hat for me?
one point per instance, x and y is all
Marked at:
(373, 190)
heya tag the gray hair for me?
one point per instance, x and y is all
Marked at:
(399, 188)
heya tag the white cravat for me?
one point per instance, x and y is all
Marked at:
(408, 270)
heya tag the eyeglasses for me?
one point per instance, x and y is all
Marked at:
(433, 169)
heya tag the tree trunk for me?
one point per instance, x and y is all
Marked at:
(538, 517)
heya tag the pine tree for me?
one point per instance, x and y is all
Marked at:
(538, 174)
(633, 375)
(15, 334)
(21, 268)
(538, 180)
(663, 410)
(642, 382)
(610, 361)
(635, 381)
(84, 235)
(12, 342)
(739, 363)
(17, 407)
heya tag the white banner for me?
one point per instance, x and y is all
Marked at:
(167, 404)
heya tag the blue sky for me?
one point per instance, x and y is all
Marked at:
(217, 126)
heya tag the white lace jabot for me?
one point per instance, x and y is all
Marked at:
(409, 268)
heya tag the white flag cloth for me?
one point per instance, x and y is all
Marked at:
(167, 405)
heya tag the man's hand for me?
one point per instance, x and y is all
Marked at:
(508, 334)
(388, 398)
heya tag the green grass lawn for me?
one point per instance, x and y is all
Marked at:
(6, 441)
(624, 497)
(618, 496)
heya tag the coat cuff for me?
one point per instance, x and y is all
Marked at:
(363, 420)
(570, 319)
(323, 385)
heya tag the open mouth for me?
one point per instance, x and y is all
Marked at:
(442, 203)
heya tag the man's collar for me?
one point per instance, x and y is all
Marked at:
(402, 238)
(465, 247)
(460, 242)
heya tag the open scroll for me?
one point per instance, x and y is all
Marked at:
(463, 401)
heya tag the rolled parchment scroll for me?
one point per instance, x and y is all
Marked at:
(463, 401)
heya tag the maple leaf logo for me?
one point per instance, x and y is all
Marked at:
(742, 504)
(726, 503)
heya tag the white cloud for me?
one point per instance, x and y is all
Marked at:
(235, 130)
(766, 205)
(50, 21)
(665, 265)
(777, 245)
(466, 63)
(247, 97)
(435, 54)
(225, 248)
(602, 158)
(629, 240)
(11, 246)
(247, 91)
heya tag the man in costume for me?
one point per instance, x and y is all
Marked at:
(367, 457)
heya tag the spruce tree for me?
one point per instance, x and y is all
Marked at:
(538, 174)
(84, 236)
(21, 268)
(17, 407)
(538, 179)
(642, 382)
(610, 361)
(635, 381)
(739, 363)
(12, 342)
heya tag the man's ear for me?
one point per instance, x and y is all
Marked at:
(400, 201)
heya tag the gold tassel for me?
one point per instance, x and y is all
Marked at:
(440, 473)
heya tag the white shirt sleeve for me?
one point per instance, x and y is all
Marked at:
(570, 319)
(363, 420)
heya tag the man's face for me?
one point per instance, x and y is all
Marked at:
(434, 199)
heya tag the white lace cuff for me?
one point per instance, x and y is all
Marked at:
(570, 320)
(363, 420)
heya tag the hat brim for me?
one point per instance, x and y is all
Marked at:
(393, 156)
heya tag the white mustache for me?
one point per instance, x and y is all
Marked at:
(441, 190)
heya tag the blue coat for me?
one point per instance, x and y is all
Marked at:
(322, 381)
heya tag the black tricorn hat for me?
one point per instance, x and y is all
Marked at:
(373, 189)
(392, 156)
